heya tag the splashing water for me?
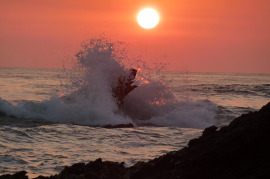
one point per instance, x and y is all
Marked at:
(96, 72)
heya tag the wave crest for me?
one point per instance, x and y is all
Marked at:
(97, 69)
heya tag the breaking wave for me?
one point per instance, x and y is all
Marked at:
(90, 100)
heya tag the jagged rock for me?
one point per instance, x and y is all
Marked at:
(240, 150)
(124, 87)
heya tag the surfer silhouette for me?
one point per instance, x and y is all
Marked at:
(124, 87)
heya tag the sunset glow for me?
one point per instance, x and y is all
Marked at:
(196, 36)
(148, 18)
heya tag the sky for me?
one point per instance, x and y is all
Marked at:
(229, 36)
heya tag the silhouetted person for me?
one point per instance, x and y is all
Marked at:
(124, 87)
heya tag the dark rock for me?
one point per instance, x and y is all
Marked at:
(96, 169)
(209, 131)
(119, 126)
(2, 113)
(124, 87)
(193, 142)
(18, 175)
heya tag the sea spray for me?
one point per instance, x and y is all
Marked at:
(97, 68)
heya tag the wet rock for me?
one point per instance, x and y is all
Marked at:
(124, 87)
(119, 126)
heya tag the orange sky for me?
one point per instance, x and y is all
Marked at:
(195, 35)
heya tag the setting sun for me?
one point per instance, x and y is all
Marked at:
(148, 18)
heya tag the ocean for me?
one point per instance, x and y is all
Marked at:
(51, 118)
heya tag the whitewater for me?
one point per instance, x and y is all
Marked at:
(50, 118)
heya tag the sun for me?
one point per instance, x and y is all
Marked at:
(148, 18)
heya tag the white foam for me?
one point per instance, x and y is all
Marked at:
(188, 115)
(154, 104)
(58, 111)
(98, 67)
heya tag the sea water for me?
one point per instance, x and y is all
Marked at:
(41, 131)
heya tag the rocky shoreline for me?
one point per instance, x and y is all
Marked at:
(239, 150)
